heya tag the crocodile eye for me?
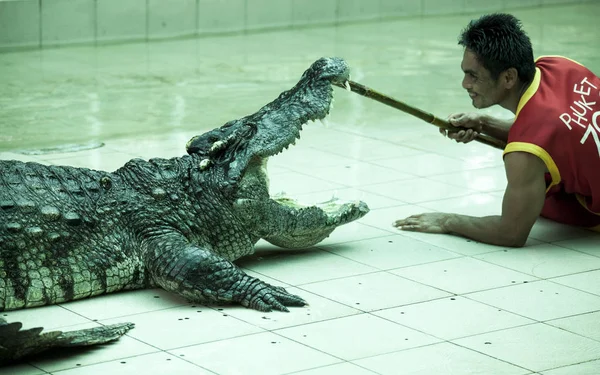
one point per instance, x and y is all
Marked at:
(250, 129)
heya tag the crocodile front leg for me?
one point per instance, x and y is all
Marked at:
(288, 224)
(200, 275)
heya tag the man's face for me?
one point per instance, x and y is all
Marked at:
(483, 90)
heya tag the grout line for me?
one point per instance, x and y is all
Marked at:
(488, 355)
(40, 24)
(569, 365)
(95, 23)
(147, 31)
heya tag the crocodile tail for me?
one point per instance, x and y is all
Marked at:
(16, 343)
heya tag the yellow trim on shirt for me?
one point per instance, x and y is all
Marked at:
(562, 57)
(540, 153)
(533, 87)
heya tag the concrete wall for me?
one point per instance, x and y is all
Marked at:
(50, 23)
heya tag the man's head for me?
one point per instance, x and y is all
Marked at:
(498, 59)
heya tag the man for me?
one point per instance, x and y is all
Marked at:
(552, 158)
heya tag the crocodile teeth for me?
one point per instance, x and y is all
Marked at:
(324, 122)
(347, 85)
(216, 146)
(204, 164)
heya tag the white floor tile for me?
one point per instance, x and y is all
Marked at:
(484, 179)
(543, 261)
(149, 364)
(453, 317)
(349, 145)
(463, 275)
(536, 347)
(587, 325)
(476, 204)
(304, 157)
(356, 174)
(341, 369)
(355, 231)
(587, 368)
(474, 152)
(586, 281)
(400, 132)
(588, 244)
(305, 266)
(125, 303)
(541, 300)
(390, 252)
(318, 309)
(153, 146)
(124, 347)
(551, 231)
(263, 353)
(427, 164)
(48, 317)
(374, 201)
(417, 190)
(264, 278)
(443, 358)
(22, 157)
(374, 291)
(329, 138)
(461, 245)
(184, 326)
(357, 336)
(294, 183)
(98, 159)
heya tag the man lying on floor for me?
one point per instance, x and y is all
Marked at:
(552, 157)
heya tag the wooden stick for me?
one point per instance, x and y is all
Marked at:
(425, 116)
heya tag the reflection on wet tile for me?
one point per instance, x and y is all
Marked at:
(463, 275)
(150, 364)
(553, 347)
(541, 300)
(378, 336)
(443, 358)
(284, 356)
(375, 291)
(544, 261)
(453, 317)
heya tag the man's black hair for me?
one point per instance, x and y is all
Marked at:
(500, 43)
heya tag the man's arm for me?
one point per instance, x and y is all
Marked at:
(475, 123)
(522, 204)
(497, 128)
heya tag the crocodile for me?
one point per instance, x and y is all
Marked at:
(179, 224)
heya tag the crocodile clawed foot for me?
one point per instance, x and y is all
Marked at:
(265, 297)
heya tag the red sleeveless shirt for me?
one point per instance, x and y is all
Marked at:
(558, 120)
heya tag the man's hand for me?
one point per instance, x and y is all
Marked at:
(472, 123)
(434, 222)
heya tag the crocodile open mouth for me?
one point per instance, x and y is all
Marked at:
(317, 220)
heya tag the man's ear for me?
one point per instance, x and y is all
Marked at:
(509, 78)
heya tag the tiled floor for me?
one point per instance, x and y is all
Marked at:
(381, 301)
